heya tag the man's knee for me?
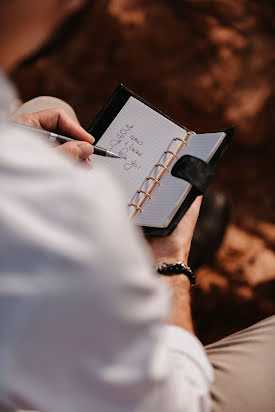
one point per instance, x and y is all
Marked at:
(46, 102)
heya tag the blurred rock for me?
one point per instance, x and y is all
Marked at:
(239, 288)
(245, 256)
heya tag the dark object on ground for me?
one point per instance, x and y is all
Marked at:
(210, 229)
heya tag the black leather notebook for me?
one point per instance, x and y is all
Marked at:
(163, 165)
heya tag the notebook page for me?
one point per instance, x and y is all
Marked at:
(168, 197)
(139, 135)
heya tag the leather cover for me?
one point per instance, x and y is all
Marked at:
(189, 168)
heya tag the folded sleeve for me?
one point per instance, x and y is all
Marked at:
(190, 373)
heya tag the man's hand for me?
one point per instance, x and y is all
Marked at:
(176, 246)
(58, 121)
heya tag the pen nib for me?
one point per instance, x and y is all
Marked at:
(111, 154)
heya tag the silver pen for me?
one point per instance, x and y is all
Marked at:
(57, 138)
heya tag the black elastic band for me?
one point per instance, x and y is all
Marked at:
(195, 171)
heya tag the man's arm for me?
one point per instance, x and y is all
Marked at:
(175, 248)
(190, 373)
(181, 315)
(89, 327)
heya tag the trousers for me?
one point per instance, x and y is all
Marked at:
(244, 370)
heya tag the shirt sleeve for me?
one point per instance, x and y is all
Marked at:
(83, 315)
(190, 373)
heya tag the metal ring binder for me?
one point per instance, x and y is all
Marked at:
(172, 153)
(161, 174)
(165, 167)
(138, 208)
(154, 179)
(145, 193)
(181, 140)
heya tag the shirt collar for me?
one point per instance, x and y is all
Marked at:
(7, 96)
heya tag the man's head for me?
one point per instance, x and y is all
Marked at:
(26, 24)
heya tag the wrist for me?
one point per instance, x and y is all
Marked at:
(181, 309)
(177, 257)
(179, 282)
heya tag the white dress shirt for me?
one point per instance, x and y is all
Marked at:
(82, 313)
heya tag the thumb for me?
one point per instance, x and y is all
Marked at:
(78, 149)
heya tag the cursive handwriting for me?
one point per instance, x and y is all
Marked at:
(121, 135)
(126, 129)
(123, 153)
(135, 139)
(118, 140)
(136, 151)
(131, 164)
(128, 146)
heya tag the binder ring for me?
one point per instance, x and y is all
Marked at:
(172, 153)
(154, 179)
(136, 206)
(181, 140)
(145, 193)
(165, 167)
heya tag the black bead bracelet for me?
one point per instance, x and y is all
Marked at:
(177, 268)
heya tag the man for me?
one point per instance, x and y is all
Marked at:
(82, 313)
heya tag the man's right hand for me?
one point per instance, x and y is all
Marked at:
(58, 121)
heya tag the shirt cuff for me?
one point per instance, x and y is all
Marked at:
(184, 343)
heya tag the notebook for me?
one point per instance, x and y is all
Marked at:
(150, 145)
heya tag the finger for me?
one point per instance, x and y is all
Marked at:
(27, 119)
(58, 121)
(79, 150)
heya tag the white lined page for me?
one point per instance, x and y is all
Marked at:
(140, 135)
(167, 198)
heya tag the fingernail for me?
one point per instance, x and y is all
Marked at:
(92, 137)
